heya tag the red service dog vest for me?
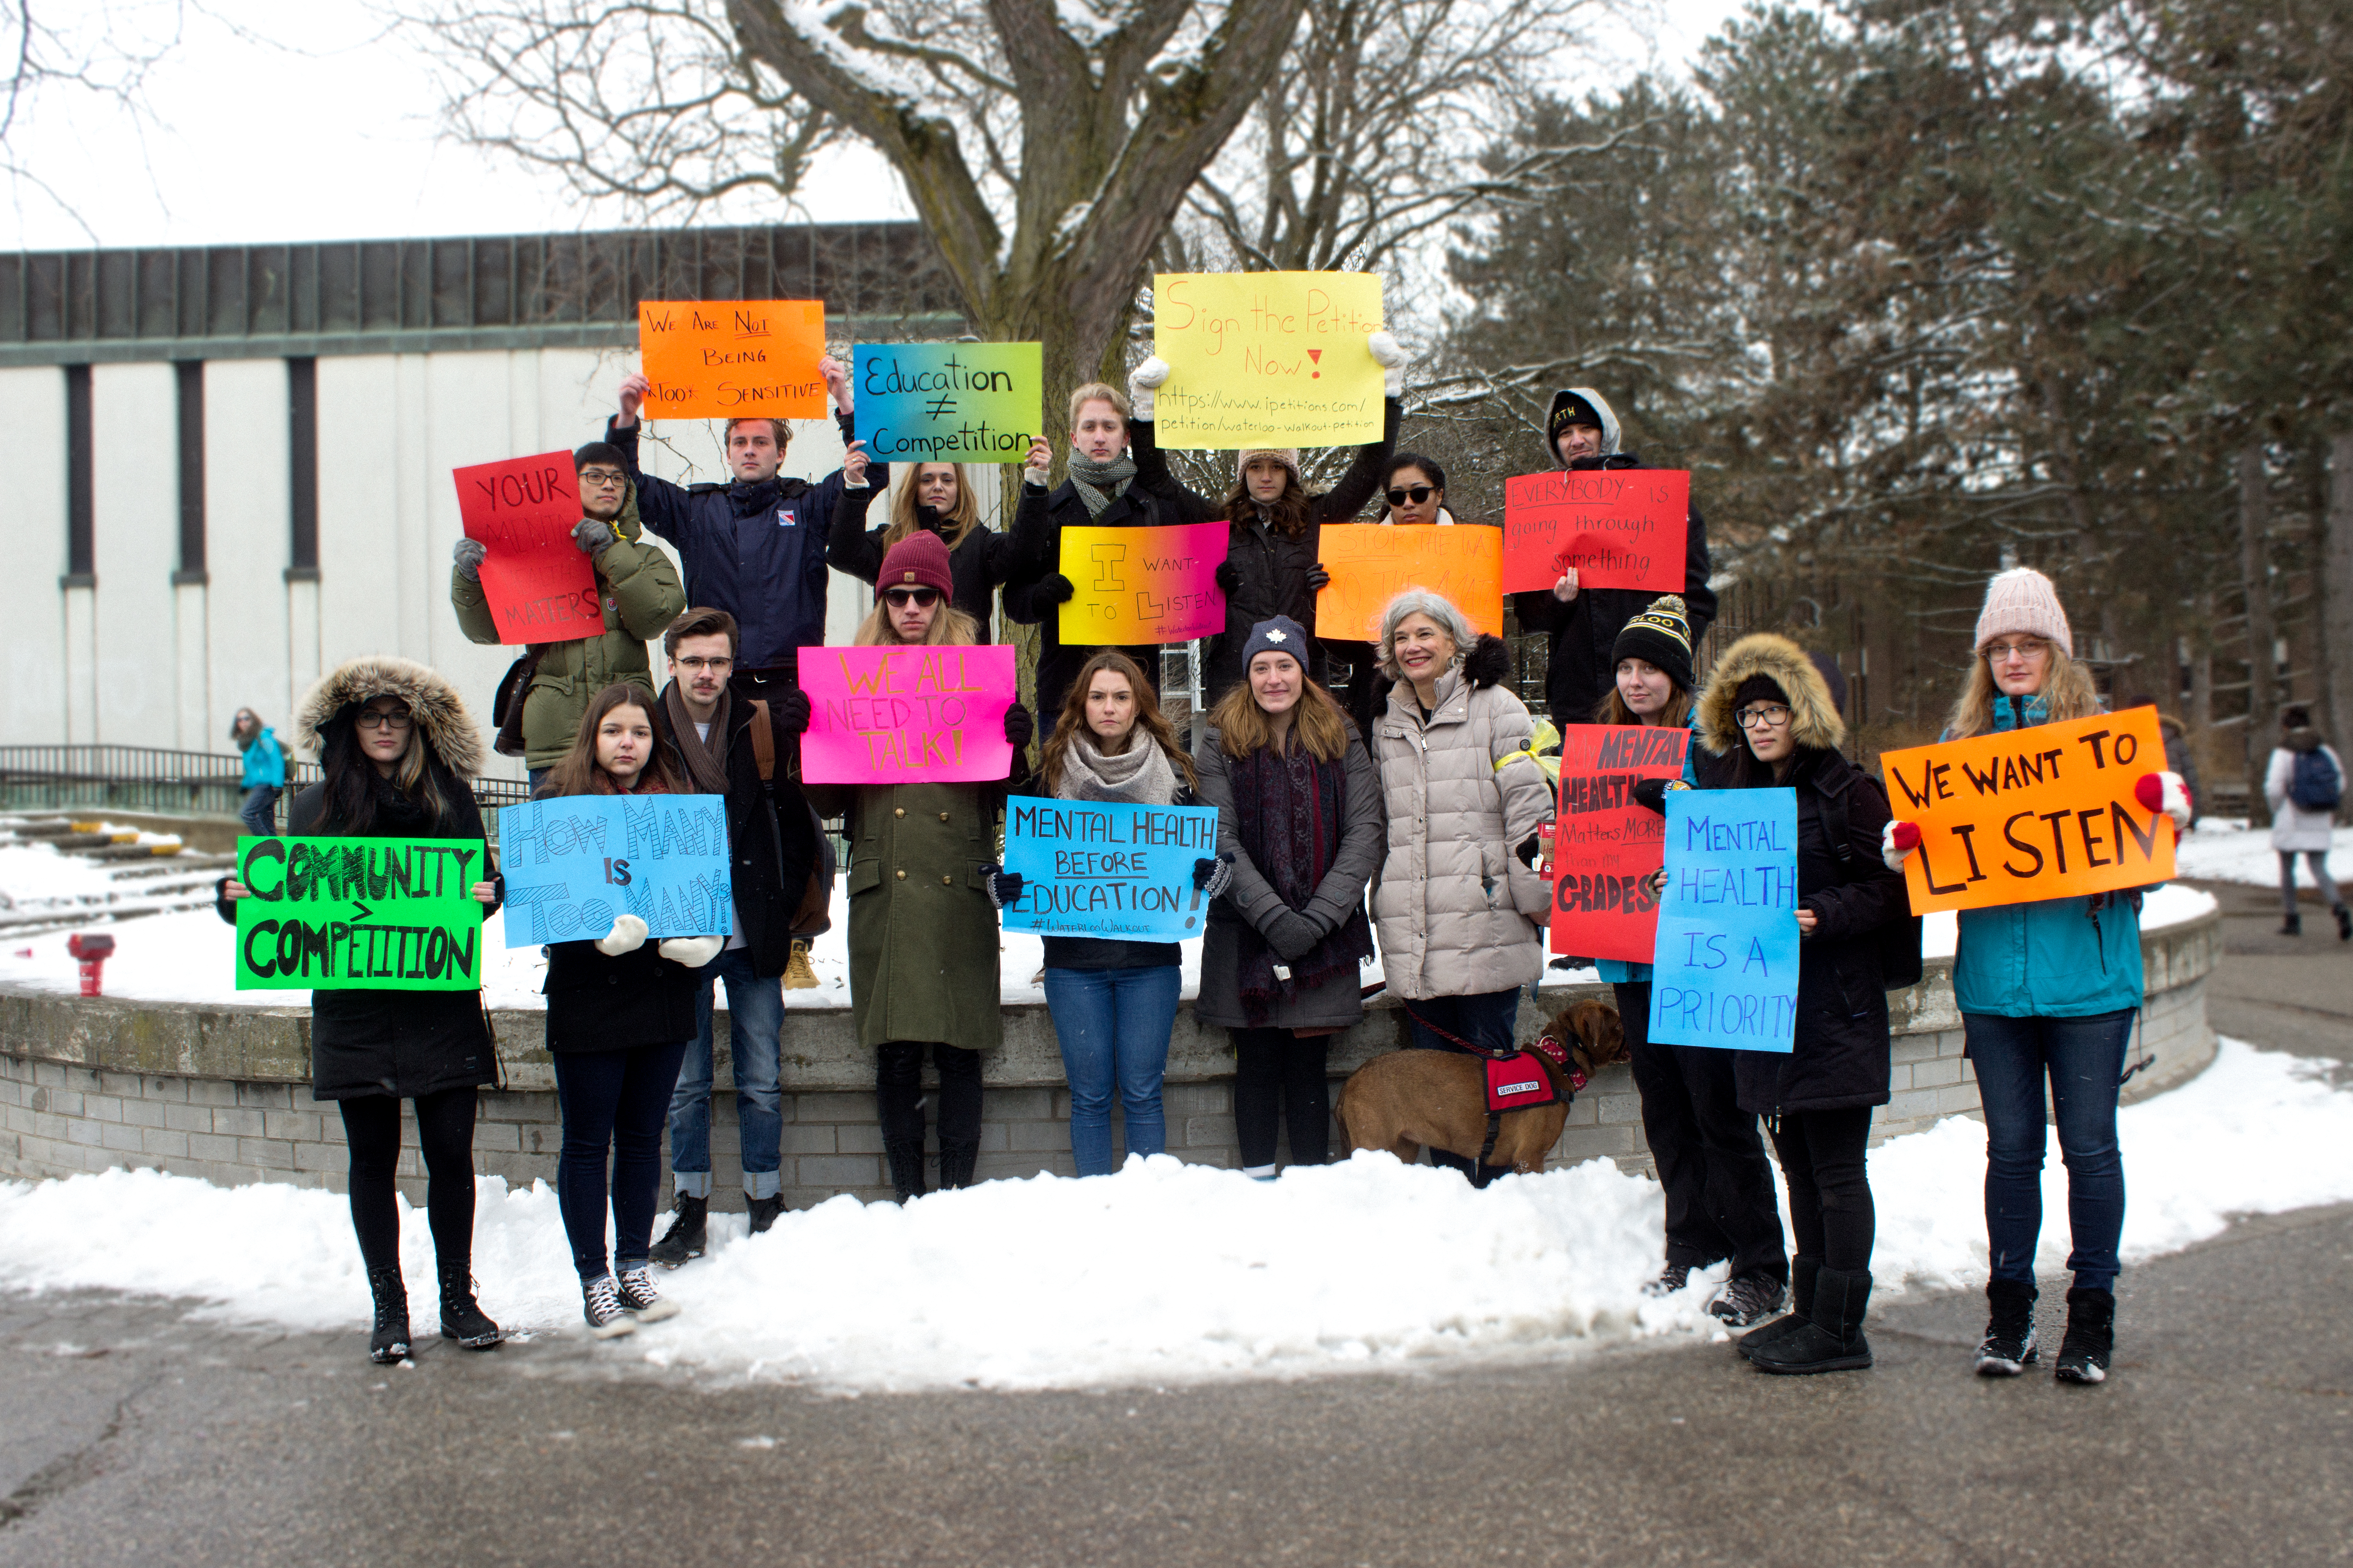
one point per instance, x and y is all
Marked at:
(1516, 1082)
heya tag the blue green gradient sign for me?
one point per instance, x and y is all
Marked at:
(948, 402)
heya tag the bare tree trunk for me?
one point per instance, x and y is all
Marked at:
(2335, 656)
(2263, 670)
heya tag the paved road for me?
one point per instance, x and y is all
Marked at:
(2294, 993)
(130, 1435)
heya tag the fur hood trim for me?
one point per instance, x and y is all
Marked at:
(1813, 716)
(449, 729)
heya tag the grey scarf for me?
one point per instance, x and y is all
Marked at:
(1097, 483)
(1141, 775)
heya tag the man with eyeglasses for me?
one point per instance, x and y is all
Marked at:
(541, 702)
(772, 848)
(1581, 434)
(754, 546)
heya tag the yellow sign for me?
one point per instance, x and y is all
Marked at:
(1267, 359)
(2049, 812)
(1372, 563)
(733, 359)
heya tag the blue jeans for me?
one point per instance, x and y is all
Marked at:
(1487, 1019)
(259, 812)
(2085, 1059)
(1113, 1027)
(755, 1011)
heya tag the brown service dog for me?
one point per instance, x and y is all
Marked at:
(1411, 1099)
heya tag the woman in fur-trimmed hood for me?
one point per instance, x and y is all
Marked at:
(1769, 721)
(399, 751)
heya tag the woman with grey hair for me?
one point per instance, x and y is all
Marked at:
(1459, 905)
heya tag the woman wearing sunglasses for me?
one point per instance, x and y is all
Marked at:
(934, 498)
(2045, 990)
(923, 920)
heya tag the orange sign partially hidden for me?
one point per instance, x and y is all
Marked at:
(733, 359)
(2026, 814)
(1371, 563)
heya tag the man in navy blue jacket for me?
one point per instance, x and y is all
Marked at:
(754, 547)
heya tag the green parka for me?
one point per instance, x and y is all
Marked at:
(639, 587)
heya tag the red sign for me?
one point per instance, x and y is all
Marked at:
(1604, 845)
(540, 587)
(1620, 528)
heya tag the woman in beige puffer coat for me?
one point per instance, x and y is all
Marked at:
(1459, 905)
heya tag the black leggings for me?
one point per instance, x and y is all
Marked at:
(898, 1092)
(1711, 1163)
(1281, 1076)
(1829, 1194)
(445, 1132)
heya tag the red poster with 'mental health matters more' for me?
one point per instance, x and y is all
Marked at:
(1604, 843)
(540, 586)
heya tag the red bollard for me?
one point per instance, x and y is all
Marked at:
(92, 947)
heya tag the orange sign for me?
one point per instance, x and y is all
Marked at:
(1372, 563)
(2026, 815)
(733, 359)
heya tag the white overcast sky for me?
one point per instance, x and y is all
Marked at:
(328, 130)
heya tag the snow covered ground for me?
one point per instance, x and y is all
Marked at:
(2225, 849)
(1169, 1272)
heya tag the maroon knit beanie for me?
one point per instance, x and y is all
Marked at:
(918, 561)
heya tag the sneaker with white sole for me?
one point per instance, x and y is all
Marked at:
(1672, 1278)
(600, 1303)
(1749, 1299)
(639, 1295)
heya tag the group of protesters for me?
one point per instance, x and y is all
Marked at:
(1408, 817)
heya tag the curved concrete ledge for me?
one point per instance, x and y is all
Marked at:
(222, 1091)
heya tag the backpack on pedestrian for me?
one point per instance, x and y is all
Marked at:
(2317, 784)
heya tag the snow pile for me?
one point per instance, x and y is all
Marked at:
(1169, 1272)
(36, 875)
(2225, 849)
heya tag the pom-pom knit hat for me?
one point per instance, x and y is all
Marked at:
(2022, 600)
(1659, 635)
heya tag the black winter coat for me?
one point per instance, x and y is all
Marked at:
(773, 844)
(396, 1043)
(1037, 524)
(1272, 566)
(1842, 1055)
(978, 566)
(599, 1003)
(1585, 629)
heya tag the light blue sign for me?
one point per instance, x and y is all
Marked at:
(573, 863)
(1094, 867)
(1725, 972)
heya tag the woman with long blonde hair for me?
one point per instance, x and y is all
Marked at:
(936, 498)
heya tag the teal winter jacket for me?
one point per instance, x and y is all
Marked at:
(265, 765)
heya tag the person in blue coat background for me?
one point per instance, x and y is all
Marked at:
(265, 773)
(2045, 988)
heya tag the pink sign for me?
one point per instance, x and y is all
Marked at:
(907, 715)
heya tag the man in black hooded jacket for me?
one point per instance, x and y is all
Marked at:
(1581, 434)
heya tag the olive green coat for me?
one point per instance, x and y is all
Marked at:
(638, 586)
(923, 958)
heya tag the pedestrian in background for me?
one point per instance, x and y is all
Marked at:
(265, 772)
(2305, 782)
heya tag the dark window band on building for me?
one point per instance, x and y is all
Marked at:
(303, 468)
(189, 385)
(81, 535)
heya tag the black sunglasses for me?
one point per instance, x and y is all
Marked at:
(900, 598)
(1419, 494)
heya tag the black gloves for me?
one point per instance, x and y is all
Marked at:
(1213, 877)
(1056, 589)
(593, 537)
(1018, 726)
(1651, 794)
(1317, 578)
(1228, 578)
(792, 711)
(1004, 887)
(1490, 662)
(1291, 936)
(467, 555)
(1527, 851)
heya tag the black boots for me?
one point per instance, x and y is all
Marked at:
(2009, 1344)
(907, 1168)
(687, 1233)
(956, 1160)
(2091, 1337)
(1803, 1271)
(2344, 922)
(1831, 1338)
(462, 1318)
(762, 1211)
(2292, 925)
(389, 1342)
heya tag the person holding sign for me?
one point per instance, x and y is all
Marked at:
(636, 586)
(925, 891)
(1460, 903)
(1271, 566)
(397, 748)
(1100, 491)
(2045, 989)
(1113, 1001)
(754, 547)
(1768, 721)
(1299, 820)
(1581, 435)
(936, 498)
